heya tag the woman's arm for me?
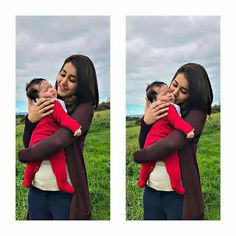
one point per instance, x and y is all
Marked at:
(60, 139)
(175, 141)
(29, 127)
(144, 129)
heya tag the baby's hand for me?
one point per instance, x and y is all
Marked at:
(190, 134)
(78, 132)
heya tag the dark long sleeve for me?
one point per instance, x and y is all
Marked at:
(173, 142)
(29, 127)
(60, 139)
(144, 129)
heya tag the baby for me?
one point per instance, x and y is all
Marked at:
(40, 88)
(161, 129)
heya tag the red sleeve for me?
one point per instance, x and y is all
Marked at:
(60, 139)
(174, 141)
(178, 122)
(63, 118)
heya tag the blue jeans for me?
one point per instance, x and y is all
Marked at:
(48, 205)
(161, 205)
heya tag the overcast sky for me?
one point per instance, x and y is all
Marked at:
(156, 46)
(44, 42)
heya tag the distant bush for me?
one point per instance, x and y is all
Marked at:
(101, 120)
(215, 108)
(20, 119)
(103, 106)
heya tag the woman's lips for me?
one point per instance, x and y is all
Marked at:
(62, 89)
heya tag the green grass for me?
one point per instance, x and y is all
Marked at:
(97, 160)
(208, 157)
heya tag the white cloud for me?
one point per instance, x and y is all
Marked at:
(44, 42)
(158, 45)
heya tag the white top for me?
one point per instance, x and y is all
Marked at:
(45, 179)
(159, 178)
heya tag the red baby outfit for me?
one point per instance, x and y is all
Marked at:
(46, 127)
(160, 130)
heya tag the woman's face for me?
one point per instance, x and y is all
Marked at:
(67, 81)
(180, 89)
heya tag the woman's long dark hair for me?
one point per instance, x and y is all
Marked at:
(201, 95)
(87, 90)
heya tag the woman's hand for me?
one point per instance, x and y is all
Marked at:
(155, 111)
(43, 107)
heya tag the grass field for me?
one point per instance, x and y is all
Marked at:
(208, 157)
(97, 160)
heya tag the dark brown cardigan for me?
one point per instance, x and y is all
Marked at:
(193, 208)
(63, 139)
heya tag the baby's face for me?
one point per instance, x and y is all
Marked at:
(164, 94)
(46, 90)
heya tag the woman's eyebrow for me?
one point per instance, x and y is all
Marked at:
(70, 75)
(176, 81)
(181, 87)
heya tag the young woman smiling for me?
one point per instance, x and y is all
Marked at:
(76, 84)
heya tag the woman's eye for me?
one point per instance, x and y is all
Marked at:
(63, 75)
(184, 92)
(72, 80)
(175, 85)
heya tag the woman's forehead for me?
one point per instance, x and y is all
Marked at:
(69, 68)
(182, 81)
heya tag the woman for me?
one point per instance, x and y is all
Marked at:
(76, 84)
(192, 90)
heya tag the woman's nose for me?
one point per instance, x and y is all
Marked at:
(175, 92)
(64, 81)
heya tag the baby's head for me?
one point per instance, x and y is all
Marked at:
(159, 91)
(40, 88)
